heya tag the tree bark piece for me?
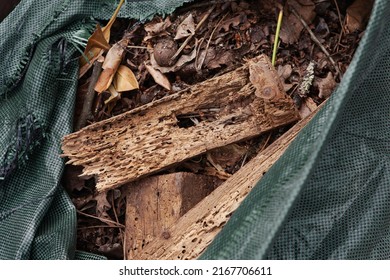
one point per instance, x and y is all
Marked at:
(195, 230)
(155, 203)
(211, 114)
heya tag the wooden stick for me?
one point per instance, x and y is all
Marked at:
(86, 112)
(194, 231)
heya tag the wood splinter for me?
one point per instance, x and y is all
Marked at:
(235, 106)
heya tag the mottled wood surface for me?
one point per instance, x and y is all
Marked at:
(155, 203)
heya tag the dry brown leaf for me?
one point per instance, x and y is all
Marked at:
(284, 71)
(107, 29)
(156, 28)
(115, 95)
(159, 77)
(357, 15)
(102, 205)
(291, 25)
(308, 106)
(225, 57)
(124, 79)
(227, 156)
(326, 85)
(111, 63)
(185, 28)
(97, 43)
(212, 171)
(225, 25)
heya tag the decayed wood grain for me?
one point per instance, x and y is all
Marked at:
(226, 109)
(195, 230)
(155, 203)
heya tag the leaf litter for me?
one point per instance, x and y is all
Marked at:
(144, 62)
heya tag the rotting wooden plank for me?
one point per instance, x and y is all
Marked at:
(195, 230)
(229, 108)
(155, 203)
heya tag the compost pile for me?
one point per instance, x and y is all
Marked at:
(196, 43)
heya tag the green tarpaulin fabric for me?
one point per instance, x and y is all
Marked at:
(326, 198)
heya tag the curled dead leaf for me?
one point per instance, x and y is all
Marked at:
(125, 79)
(308, 106)
(159, 77)
(111, 63)
(185, 28)
(156, 28)
(115, 95)
(96, 45)
(291, 25)
(326, 85)
(102, 205)
(357, 15)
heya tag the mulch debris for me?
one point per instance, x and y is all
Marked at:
(197, 42)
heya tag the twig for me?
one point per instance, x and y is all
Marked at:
(266, 142)
(107, 221)
(88, 101)
(199, 66)
(336, 48)
(192, 35)
(139, 47)
(101, 226)
(339, 15)
(315, 40)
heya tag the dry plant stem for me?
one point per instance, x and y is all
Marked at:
(336, 48)
(339, 15)
(315, 40)
(86, 112)
(101, 226)
(101, 219)
(192, 35)
(199, 66)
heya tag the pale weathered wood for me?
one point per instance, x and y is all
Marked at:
(194, 231)
(229, 108)
(155, 203)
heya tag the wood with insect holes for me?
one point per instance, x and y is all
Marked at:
(195, 230)
(235, 106)
(155, 203)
